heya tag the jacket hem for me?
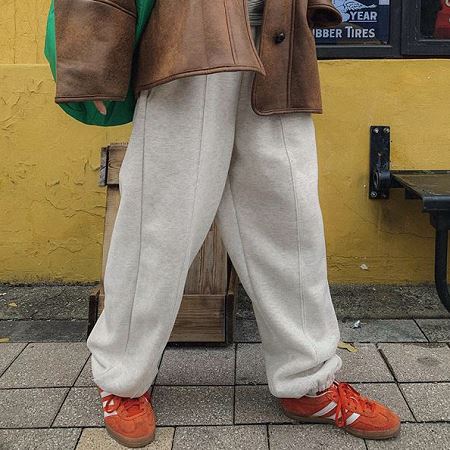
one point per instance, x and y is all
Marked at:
(83, 98)
(143, 86)
(269, 112)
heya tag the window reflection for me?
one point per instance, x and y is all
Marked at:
(435, 19)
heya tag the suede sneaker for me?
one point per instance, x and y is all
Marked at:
(130, 421)
(342, 405)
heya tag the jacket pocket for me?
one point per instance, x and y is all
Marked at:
(94, 49)
(323, 14)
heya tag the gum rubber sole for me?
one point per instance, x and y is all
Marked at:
(377, 435)
(130, 442)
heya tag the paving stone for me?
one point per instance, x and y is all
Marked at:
(81, 408)
(193, 405)
(29, 408)
(417, 436)
(43, 301)
(430, 402)
(436, 330)
(311, 437)
(386, 301)
(382, 331)
(255, 404)
(197, 365)
(46, 364)
(418, 362)
(99, 439)
(236, 437)
(389, 394)
(250, 367)
(246, 331)
(365, 365)
(44, 330)
(8, 352)
(42, 439)
(85, 377)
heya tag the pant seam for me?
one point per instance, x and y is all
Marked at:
(191, 220)
(140, 221)
(240, 237)
(140, 233)
(297, 221)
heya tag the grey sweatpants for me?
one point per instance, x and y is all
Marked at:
(197, 149)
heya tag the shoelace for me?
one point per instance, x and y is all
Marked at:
(349, 397)
(131, 405)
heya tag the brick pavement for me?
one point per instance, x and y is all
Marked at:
(217, 398)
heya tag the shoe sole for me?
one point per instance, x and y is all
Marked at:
(377, 435)
(130, 442)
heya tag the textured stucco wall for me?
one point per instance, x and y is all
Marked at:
(52, 210)
(393, 238)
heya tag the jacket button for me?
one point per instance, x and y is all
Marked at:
(279, 38)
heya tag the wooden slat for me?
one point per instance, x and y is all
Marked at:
(201, 318)
(116, 153)
(230, 306)
(103, 166)
(208, 271)
(112, 205)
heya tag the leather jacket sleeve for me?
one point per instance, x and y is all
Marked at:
(323, 14)
(94, 49)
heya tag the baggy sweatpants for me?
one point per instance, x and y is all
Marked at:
(197, 150)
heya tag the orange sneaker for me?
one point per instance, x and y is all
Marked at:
(130, 421)
(348, 409)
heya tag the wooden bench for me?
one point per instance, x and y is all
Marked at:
(432, 187)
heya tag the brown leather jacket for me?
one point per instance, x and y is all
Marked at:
(94, 41)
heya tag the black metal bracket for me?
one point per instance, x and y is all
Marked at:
(380, 152)
(430, 186)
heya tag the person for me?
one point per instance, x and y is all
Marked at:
(223, 129)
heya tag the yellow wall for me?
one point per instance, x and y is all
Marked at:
(52, 210)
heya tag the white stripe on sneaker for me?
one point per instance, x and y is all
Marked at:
(111, 402)
(326, 410)
(352, 418)
(106, 413)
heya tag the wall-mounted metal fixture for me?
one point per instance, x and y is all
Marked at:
(432, 187)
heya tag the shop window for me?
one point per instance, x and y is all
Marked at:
(426, 27)
(363, 23)
(369, 29)
(387, 29)
(430, 26)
